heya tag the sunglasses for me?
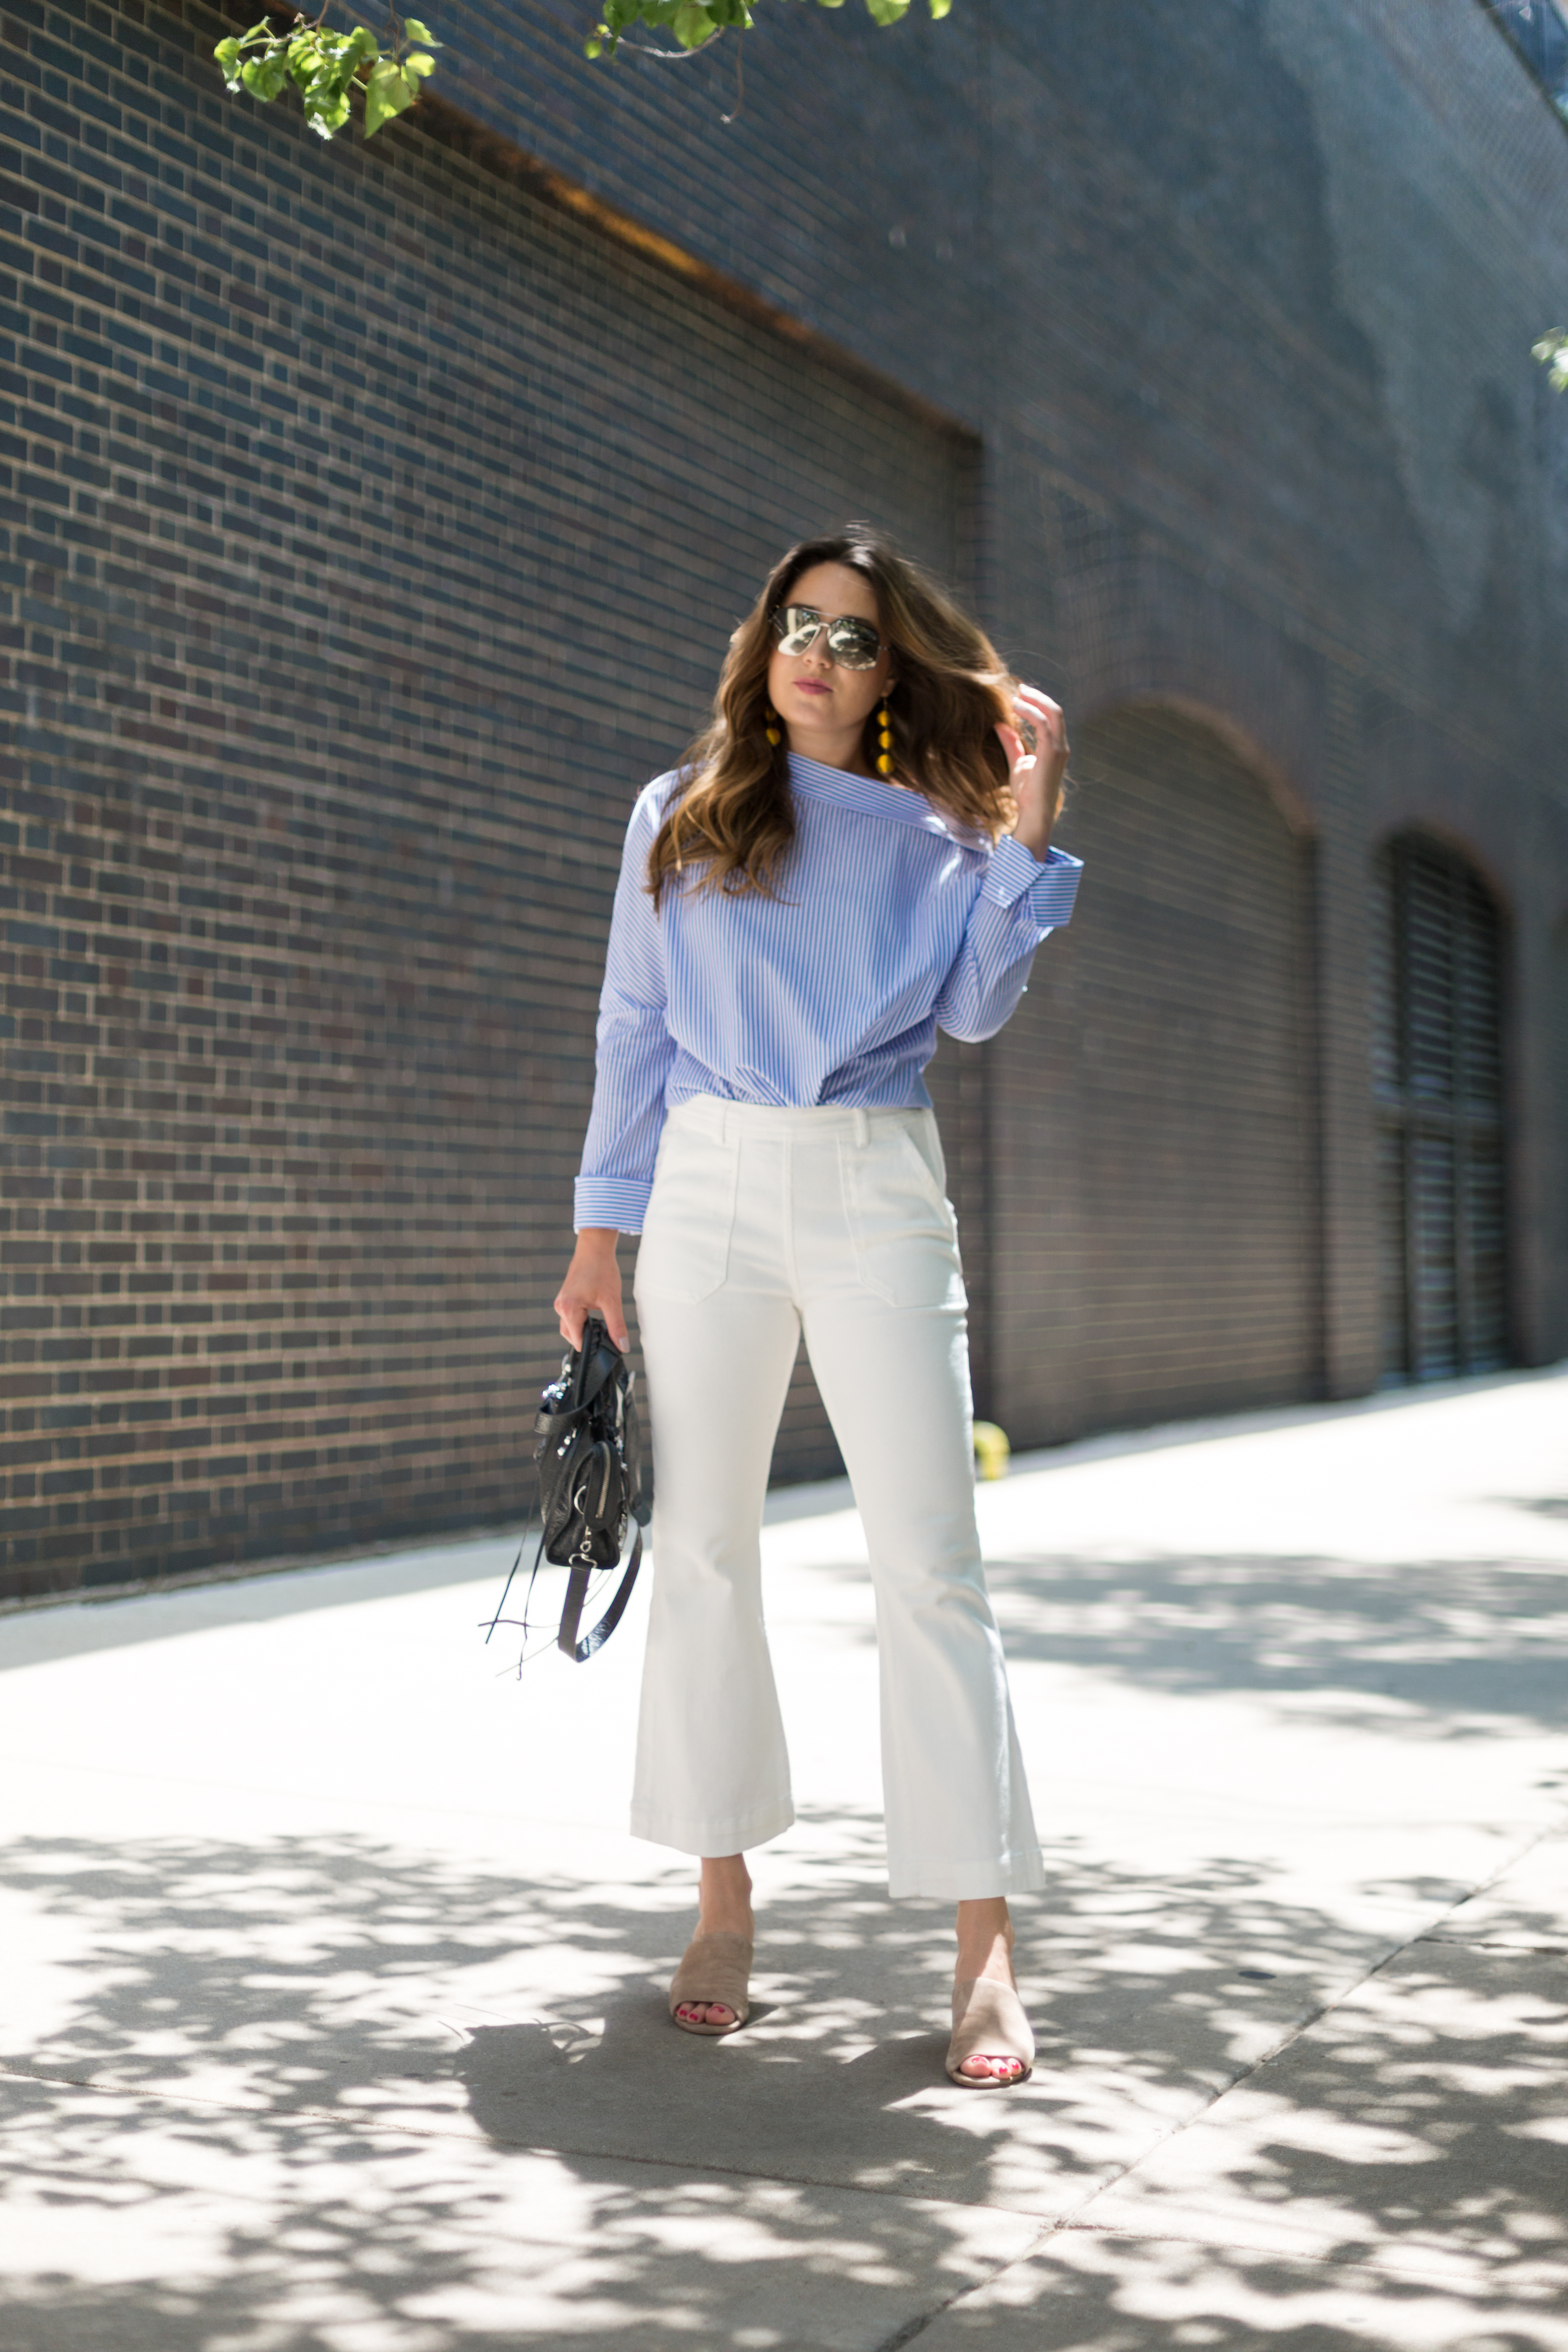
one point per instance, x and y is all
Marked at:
(852, 644)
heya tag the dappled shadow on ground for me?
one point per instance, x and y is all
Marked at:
(1458, 1646)
(336, 1975)
(319, 2086)
(1394, 2177)
(1091, 2291)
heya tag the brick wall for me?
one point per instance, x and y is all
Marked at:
(1158, 1191)
(354, 592)
(335, 482)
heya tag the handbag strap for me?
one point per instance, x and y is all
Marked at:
(580, 1651)
(597, 1374)
(534, 1571)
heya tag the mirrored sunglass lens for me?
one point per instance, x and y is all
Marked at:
(855, 644)
(799, 628)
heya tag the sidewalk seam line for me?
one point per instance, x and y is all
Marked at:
(914, 2328)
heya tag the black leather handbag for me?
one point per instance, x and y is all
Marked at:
(589, 1454)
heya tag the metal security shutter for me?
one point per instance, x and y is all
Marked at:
(1438, 1074)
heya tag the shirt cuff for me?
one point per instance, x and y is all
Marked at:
(1050, 884)
(619, 1200)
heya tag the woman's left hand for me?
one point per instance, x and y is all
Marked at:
(1039, 776)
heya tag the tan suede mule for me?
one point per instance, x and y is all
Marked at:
(988, 2022)
(716, 1968)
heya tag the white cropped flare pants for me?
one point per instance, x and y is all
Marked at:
(763, 1223)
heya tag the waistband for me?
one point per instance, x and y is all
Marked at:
(728, 1122)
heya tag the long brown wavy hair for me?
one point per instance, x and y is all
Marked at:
(731, 823)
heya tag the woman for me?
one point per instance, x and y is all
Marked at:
(855, 854)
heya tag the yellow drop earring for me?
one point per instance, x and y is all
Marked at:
(885, 737)
(774, 726)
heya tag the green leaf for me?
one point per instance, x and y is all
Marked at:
(386, 95)
(265, 76)
(326, 112)
(228, 56)
(691, 25)
(303, 59)
(695, 22)
(420, 64)
(414, 31)
(1552, 351)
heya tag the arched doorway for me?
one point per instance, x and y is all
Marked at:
(1438, 1076)
(1173, 1025)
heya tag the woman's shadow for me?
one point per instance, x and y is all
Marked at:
(628, 2083)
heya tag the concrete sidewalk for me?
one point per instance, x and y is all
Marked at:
(333, 2015)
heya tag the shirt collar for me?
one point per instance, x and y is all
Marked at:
(871, 797)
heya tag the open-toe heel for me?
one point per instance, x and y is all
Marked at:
(713, 1969)
(988, 2022)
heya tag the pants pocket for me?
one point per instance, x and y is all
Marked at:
(905, 1235)
(684, 1253)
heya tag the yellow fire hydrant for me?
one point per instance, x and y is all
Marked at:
(991, 1450)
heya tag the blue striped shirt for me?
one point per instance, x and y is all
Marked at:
(892, 922)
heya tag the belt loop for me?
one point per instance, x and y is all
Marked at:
(862, 1129)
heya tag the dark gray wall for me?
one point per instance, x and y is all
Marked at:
(334, 478)
(1156, 1194)
(1241, 296)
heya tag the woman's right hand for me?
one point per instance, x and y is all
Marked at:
(593, 1287)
